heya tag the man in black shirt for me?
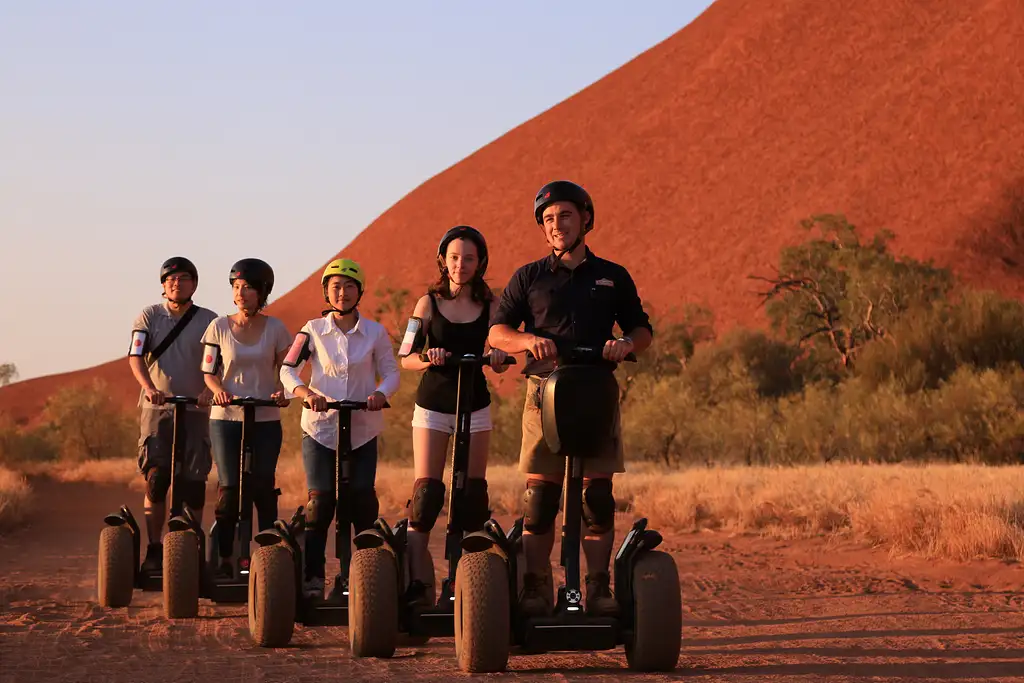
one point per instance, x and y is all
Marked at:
(571, 297)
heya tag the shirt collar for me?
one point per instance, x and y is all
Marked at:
(333, 326)
(554, 263)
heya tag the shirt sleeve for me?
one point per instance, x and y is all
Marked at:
(290, 378)
(630, 314)
(282, 338)
(512, 306)
(211, 336)
(386, 365)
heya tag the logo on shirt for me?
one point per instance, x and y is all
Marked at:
(605, 282)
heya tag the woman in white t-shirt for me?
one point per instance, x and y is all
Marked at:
(244, 352)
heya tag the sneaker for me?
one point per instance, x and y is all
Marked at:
(154, 562)
(600, 602)
(535, 599)
(313, 588)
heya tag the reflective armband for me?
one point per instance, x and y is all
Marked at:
(415, 338)
(211, 359)
(139, 346)
(299, 351)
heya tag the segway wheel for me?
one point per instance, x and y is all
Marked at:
(181, 575)
(272, 593)
(115, 575)
(373, 603)
(482, 613)
(657, 614)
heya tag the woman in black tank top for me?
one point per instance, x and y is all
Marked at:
(456, 315)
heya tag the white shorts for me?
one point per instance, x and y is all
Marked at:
(479, 420)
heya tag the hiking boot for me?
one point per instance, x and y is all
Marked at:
(313, 588)
(600, 602)
(154, 562)
(535, 599)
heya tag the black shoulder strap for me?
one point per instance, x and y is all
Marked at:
(169, 339)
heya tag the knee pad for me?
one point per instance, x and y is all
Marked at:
(475, 512)
(365, 508)
(158, 480)
(425, 504)
(192, 493)
(540, 505)
(599, 506)
(319, 511)
(227, 503)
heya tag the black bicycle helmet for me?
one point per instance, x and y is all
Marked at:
(564, 191)
(464, 232)
(178, 264)
(257, 273)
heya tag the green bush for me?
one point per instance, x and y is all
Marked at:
(927, 345)
(85, 422)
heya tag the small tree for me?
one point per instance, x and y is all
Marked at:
(837, 293)
(87, 423)
(673, 346)
(8, 373)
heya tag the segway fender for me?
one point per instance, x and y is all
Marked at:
(114, 519)
(269, 537)
(371, 538)
(478, 542)
(178, 524)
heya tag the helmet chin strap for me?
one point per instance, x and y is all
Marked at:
(575, 245)
(343, 311)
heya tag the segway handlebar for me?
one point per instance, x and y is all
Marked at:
(249, 401)
(345, 405)
(469, 359)
(590, 354)
(182, 400)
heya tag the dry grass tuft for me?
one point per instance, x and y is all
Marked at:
(957, 512)
(14, 498)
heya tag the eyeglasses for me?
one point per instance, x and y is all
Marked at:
(178, 278)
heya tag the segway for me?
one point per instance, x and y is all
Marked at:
(376, 618)
(276, 600)
(578, 403)
(186, 576)
(120, 552)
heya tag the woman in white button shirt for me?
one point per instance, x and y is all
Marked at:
(243, 353)
(348, 352)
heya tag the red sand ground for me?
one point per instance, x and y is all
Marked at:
(754, 610)
(703, 154)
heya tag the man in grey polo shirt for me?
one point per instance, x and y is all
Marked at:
(177, 371)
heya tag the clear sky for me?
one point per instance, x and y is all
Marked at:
(133, 131)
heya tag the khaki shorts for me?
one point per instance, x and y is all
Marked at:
(536, 458)
(156, 430)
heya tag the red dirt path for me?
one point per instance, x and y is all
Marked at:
(754, 610)
(703, 153)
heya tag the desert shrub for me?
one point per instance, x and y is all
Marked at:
(979, 329)
(973, 417)
(24, 445)
(85, 422)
